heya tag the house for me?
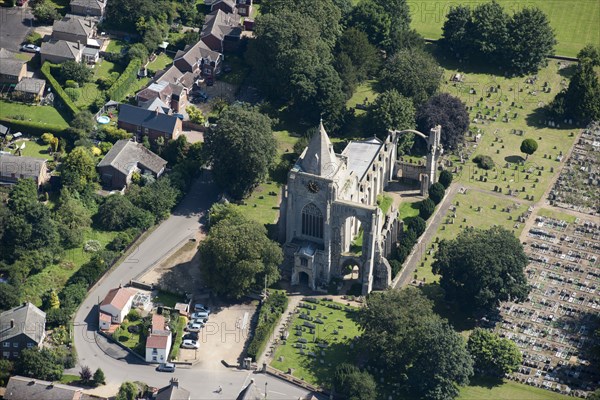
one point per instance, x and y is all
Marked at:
(94, 8)
(227, 6)
(148, 123)
(181, 83)
(199, 59)
(125, 158)
(173, 392)
(29, 89)
(59, 51)
(91, 54)
(22, 327)
(244, 7)
(158, 343)
(115, 306)
(13, 168)
(156, 90)
(155, 105)
(12, 70)
(221, 31)
(24, 388)
(74, 28)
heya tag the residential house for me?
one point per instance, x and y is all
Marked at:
(199, 59)
(12, 70)
(125, 158)
(155, 105)
(115, 306)
(13, 168)
(29, 89)
(181, 83)
(227, 6)
(148, 123)
(156, 90)
(22, 327)
(173, 392)
(59, 51)
(158, 343)
(74, 28)
(244, 7)
(95, 8)
(24, 388)
(221, 31)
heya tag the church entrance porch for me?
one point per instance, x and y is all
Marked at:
(303, 278)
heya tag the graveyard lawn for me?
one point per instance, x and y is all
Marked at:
(575, 22)
(308, 368)
(508, 390)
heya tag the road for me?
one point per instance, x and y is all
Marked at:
(120, 366)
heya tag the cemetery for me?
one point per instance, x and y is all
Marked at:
(555, 326)
(577, 185)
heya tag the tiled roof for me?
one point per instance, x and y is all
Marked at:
(146, 118)
(62, 48)
(29, 167)
(74, 25)
(126, 155)
(118, 297)
(157, 341)
(25, 319)
(12, 67)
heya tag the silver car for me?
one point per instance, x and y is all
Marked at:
(30, 48)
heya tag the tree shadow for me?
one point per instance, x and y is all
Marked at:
(486, 381)
(537, 118)
(471, 66)
(514, 159)
(568, 71)
(448, 310)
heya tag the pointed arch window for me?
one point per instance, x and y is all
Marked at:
(312, 221)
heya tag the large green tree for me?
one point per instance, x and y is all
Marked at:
(117, 213)
(73, 218)
(353, 383)
(489, 31)
(481, 268)
(529, 146)
(456, 39)
(356, 59)
(237, 255)
(79, 169)
(413, 73)
(38, 363)
(582, 98)
(78, 72)
(241, 149)
(158, 198)
(393, 111)
(493, 355)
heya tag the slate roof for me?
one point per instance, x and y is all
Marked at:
(61, 48)
(250, 392)
(7, 53)
(30, 85)
(91, 4)
(26, 319)
(361, 155)
(155, 104)
(230, 3)
(319, 157)
(125, 155)
(23, 388)
(221, 24)
(147, 119)
(29, 167)
(118, 297)
(173, 392)
(74, 25)
(12, 67)
(199, 51)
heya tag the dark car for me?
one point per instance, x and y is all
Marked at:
(166, 367)
(191, 335)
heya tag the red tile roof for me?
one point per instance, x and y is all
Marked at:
(105, 316)
(158, 322)
(157, 341)
(118, 297)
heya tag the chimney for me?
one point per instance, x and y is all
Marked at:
(156, 111)
(174, 382)
(78, 44)
(12, 323)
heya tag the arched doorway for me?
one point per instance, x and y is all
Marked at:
(303, 278)
(351, 270)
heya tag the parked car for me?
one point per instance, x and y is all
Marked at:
(191, 336)
(30, 48)
(166, 367)
(201, 307)
(190, 344)
(194, 327)
(200, 315)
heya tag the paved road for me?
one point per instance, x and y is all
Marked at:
(120, 366)
(15, 24)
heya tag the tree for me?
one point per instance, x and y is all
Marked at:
(402, 335)
(99, 378)
(582, 98)
(426, 208)
(78, 72)
(436, 192)
(138, 50)
(481, 268)
(22, 196)
(85, 374)
(449, 112)
(73, 218)
(413, 73)
(118, 213)
(40, 363)
(445, 178)
(234, 270)
(392, 111)
(153, 35)
(590, 53)
(9, 296)
(51, 141)
(531, 40)
(363, 55)
(113, 134)
(241, 149)
(79, 169)
(371, 18)
(127, 391)
(456, 39)
(45, 12)
(489, 31)
(528, 146)
(493, 355)
(6, 368)
(54, 300)
(158, 198)
(175, 151)
(195, 115)
(417, 225)
(349, 381)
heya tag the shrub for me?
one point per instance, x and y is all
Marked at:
(72, 70)
(73, 93)
(426, 208)
(119, 89)
(270, 312)
(484, 162)
(58, 90)
(436, 192)
(133, 316)
(71, 84)
(417, 225)
(445, 178)
(32, 128)
(34, 38)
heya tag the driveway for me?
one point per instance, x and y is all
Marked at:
(203, 379)
(15, 24)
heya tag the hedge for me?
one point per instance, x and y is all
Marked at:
(270, 313)
(120, 88)
(32, 128)
(58, 90)
(177, 337)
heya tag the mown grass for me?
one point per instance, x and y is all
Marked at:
(508, 390)
(545, 212)
(364, 91)
(161, 61)
(40, 114)
(33, 148)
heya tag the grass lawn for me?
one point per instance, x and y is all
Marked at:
(545, 212)
(363, 91)
(384, 202)
(116, 46)
(407, 210)
(310, 368)
(68, 379)
(134, 341)
(509, 390)
(168, 299)
(575, 22)
(42, 114)
(33, 149)
(161, 61)
(105, 68)
(467, 209)
(55, 276)
(88, 94)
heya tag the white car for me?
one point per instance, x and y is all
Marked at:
(199, 315)
(30, 48)
(190, 344)
(194, 327)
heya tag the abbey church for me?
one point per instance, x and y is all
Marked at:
(331, 200)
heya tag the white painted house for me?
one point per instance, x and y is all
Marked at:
(115, 306)
(158, 343)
